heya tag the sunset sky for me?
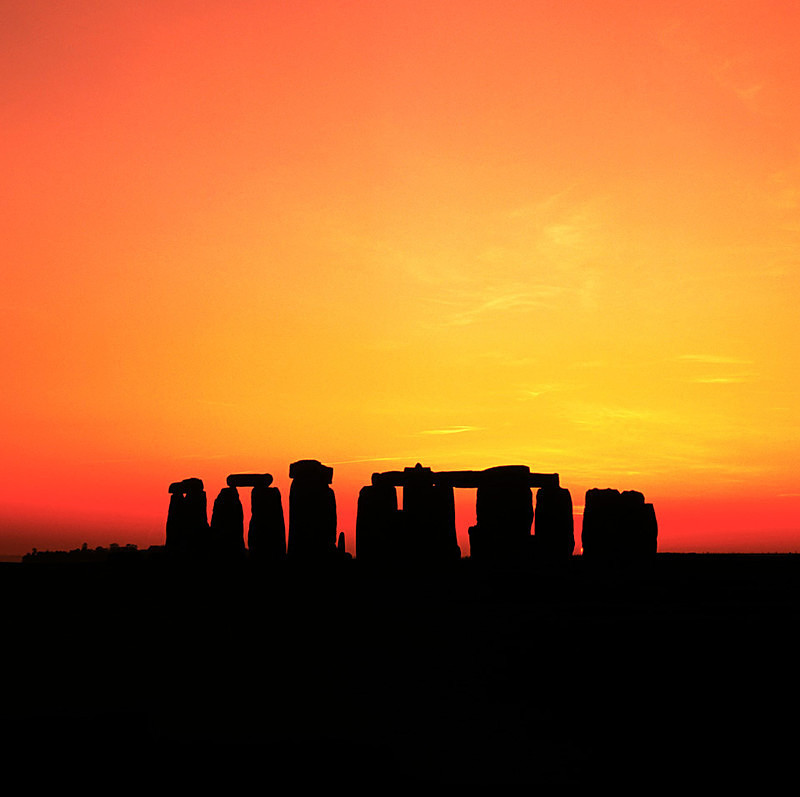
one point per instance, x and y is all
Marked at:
(560, 234)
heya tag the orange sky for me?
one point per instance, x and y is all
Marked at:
(462, 233)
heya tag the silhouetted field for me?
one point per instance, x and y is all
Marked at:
(681, 670)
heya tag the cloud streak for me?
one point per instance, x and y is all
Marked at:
(540, 390)
(718, 378)
(504, 303)
(369, 459)
(713, 359)
(451, 430)
(721, 380)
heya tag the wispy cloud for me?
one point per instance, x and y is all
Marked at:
(451, 430)
(507, 359)
(513, 301)
(713, 359)
(732, 73)
(590, 364)
(715, 366)
(568, 235)
(735, 471)
(721, 380)
(592, 415)
(193, 456)
(563, 220)
(539, 209)
(370, 459)
(784, 186)
(539, 390)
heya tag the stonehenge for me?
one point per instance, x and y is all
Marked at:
(512, 524)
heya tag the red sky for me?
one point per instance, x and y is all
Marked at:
(461, 233)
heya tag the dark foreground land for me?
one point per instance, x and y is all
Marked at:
(683, 671)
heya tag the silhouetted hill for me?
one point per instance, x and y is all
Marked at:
(680, 670)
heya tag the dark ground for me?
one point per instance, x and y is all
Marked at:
(683, 672)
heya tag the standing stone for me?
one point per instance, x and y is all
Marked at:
(176, 522)
(601, 522)
(444, 540)
(649, 531)
(554, 527)
(631, 522)
(504, 515)
(187, 517)
(618, 525)
(312, 511)
(227, 523)
(377, 523)
(197, 518)
(266, 536)
(428, 517)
